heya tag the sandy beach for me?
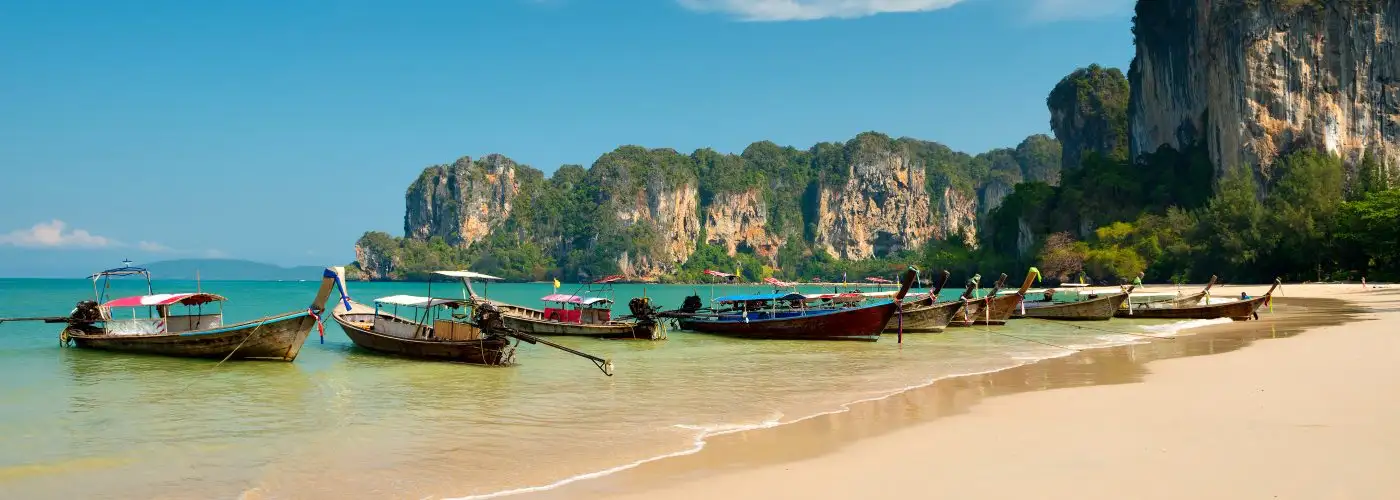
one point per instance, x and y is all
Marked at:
(1313, 416)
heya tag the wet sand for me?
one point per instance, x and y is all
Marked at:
(1310, 417)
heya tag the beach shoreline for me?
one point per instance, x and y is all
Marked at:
(944, 436)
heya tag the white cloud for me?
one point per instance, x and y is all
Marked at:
(805, 10)
(151, 246)
(1059, 10)
(54, 234)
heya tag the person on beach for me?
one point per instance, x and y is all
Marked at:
(1049, 295)
(1245, 296)
(1138, 280)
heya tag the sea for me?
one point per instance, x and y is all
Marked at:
(346, 423)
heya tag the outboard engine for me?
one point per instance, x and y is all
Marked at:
(488, 319)
(86, 313)
(642, 310)
(691, 304)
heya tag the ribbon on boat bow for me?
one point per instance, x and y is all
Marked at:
(320, 325)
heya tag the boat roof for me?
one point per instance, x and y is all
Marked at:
(887, 294)
(777, 282)
(574, 299)
(761, 296)
(121, 271)
(466, 274)
(833, 296)
(718, 273)
(164, 299)
(610, 279)
(873, 279)
(416, 301)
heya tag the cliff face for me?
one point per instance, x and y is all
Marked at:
(461, 202)
(881, 208)
(669, 211)
(1255, 81)
(1087, 111)
(739, 221)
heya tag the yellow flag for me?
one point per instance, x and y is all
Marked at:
(1036, 272)
(556, 283)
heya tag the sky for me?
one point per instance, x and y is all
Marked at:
(281, 131)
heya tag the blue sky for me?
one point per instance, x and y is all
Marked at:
(281, 131)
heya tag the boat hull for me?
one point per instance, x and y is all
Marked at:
(277, 338)
(862, 323)
(532, 321)
(1238, 310)
(925, 318)
(985, 311)
(491, 351)
(1100, 309)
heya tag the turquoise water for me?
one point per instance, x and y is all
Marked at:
(350, 424)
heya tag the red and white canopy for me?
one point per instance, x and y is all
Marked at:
(610, 279)
(573, 299)
(873, 279)
(777, 282)
(164, 299)
(717, 273)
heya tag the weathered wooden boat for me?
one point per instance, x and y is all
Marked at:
(1184, 300)
(1238, 310)
(771, 320)
(467, 330)
(1101, 308)
(584, 315)
(994, 309)
(925, 314)
(190, 333)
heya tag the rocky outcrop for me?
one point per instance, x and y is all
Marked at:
(739, 221)
(1088, 110)
(461, 202)
(956, 215)
(669, 211)
(1253, 78)
(882, 207)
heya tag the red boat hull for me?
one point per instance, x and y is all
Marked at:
(861, 323)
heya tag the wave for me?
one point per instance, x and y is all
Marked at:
(1180, 326)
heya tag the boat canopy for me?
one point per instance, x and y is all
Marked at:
(465, 274)
(121, 271)
(610, 279)
(165, 299)
(718, 273)
(574, 299)
(839, 297)
(416, 301)
(887, 294)
(761, 296)
(777, 282)
(873, 279)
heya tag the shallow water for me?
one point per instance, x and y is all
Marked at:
(346, 423)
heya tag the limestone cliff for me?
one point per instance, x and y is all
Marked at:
(1253, 78)
(739, 221)
(956, 214)
(881, 208)
(1088, 110)
(670, 210)
(461, 202)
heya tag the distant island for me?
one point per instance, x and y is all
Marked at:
(229, 269)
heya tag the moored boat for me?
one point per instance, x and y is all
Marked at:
(785, 316)
(467, 330)
(1238, 310)
(1100, 308)
(193, 332)
(925, 314)
(584, 315)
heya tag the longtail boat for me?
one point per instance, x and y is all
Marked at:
(150, 323)
(761, 317)
(1238, 310)
(995, 308)
(1099, 308)
(465, 330)
(926, 314)
(584, 315)
(1185, 300)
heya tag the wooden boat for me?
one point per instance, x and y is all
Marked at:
(194, 334)
(1096, 309)
(1238, 310)
(584, 315)
(1185, 300)
(925, 314)
(995, 308)
(795, 321)
(467, 330)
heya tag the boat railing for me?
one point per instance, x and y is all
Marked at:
(136, 326)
